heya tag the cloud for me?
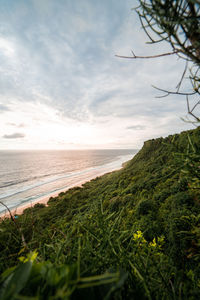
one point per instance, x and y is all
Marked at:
(3, 108)
(16, 135)
(20, 125)
(6, 47)
(136, 127)
(61, 54)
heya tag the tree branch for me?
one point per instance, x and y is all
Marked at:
(151, 56)
(172, 93)
(191, 111)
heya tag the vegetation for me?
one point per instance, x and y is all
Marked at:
(175, 23)
(129, 234)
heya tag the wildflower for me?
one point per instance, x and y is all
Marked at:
(158, 244)
(30, 257)
(153, 243)
(138, 235)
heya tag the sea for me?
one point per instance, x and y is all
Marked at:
(27, 176)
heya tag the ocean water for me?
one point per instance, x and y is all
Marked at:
(26, 176)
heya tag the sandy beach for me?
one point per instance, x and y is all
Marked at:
(44, 200)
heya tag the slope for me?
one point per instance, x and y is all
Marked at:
(134, 232)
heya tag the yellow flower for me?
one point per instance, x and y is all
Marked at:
(153, 243)
(159, 244)
(30, 257)
(138, 235)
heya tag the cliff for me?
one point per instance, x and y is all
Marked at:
(132, 233)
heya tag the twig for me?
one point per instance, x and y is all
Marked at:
(182, 77)
(18, 228)
(11, 216)
(151, 56)
(172, 93)
(191, 111)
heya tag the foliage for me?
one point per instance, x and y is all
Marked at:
(176, 22)
(130, 234)
(138, 227)
(42, 280)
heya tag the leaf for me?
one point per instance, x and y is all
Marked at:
(117, 285)
(16, 281)
(7, 272)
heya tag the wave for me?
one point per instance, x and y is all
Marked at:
(15, 182)
(70, 175)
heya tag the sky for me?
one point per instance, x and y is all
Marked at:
(62, 87)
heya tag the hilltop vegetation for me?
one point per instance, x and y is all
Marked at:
(130, 234)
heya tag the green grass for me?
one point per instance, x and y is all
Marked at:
(130, 234)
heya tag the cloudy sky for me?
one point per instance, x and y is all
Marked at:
(62, 87)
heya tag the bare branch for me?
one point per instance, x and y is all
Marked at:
(173, 93)
(11, 216)
(17, 226)
(182, 77)
(191, 111)
(195, 106)
(151, 56)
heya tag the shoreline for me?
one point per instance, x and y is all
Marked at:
(41, 200)
(44, 199)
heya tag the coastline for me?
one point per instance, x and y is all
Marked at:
(44, 199)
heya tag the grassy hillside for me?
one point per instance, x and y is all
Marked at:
(128, 234)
